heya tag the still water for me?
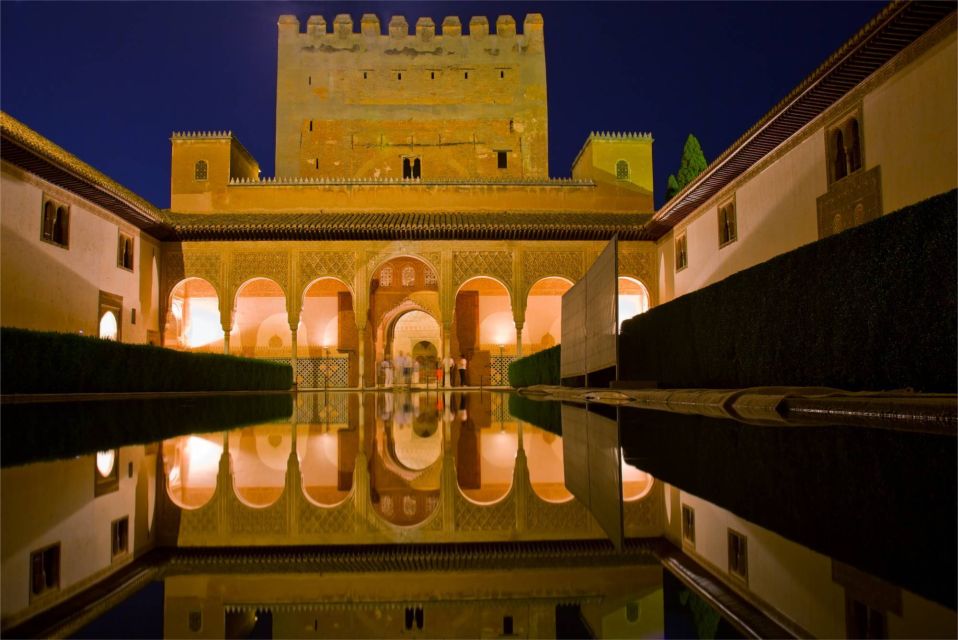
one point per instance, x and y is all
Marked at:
(448, 514)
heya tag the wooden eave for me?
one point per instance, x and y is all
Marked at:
(896, 27)
(407, 226)
(25, 148)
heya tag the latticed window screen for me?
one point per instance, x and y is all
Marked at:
(386, 277)
(321, 408)
(201, 170)
(622, 170)
(408, 276)
(499, 369)
(430, 277)
(317, 373)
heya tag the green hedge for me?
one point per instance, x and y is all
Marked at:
(544, 414)
(38, 362)
(872, 308)
(539, 368)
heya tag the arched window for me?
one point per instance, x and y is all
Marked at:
(386, 277)
(416, 169)
(108, 326)
(408, 276)
(854, 146)
(61, 226)
(838, 156)
(621, 170)
(201, 170)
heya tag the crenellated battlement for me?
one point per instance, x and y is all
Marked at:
(620, 135)
(202, 135)
(342, 28)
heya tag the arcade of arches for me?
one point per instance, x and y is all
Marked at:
(335, 315)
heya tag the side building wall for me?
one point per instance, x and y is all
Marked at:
(48, 286)
(907, 116)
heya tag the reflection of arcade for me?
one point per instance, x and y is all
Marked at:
(405, 467)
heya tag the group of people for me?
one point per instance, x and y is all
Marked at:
(405, 370)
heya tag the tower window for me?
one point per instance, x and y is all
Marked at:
(502, 74)
(503, 159)
(621, 170)
(399, 75)
(728, 230)
(316, 163)
(365, 75)
(411, 168)
(507, 626)
(55, 227)
(844, 144)
(681, 253)
(432, 75)
(466, 75)
(201, 170)
(310, 125)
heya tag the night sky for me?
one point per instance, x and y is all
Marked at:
(109, 82)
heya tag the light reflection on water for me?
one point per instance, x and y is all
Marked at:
(403, 441)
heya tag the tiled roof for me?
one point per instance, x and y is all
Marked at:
(408, 226)
(886, 35)
(27, 149)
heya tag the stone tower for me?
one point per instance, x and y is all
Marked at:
(427, 105)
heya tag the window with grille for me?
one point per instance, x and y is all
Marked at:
(120, 536)
(124, 252)
(737, 555)
(502, 158)
(681, 253)
(844, 144)
(728, 231)
(55, 225)
(429, 277)
(386, 277)
(621, 170)
(45, 570)
(688, 524)
(201, 170)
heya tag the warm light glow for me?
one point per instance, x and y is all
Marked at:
(633, 299)
(202, 453)
(203, 327)
(108, 326)
(105, 461)
(635, 482)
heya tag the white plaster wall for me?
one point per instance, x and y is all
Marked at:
(909, 129)
(50, 288)
(71, 516)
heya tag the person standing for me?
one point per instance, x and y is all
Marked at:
(449, 367)
(462, 370)
(387, 372)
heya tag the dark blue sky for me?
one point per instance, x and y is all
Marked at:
(110, 81)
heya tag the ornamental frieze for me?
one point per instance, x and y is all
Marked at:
(543, 264)
(638, 265)
(317, 264)
(469, 264)
(178, 266)
(249, 265)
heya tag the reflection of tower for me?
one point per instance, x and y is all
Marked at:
(469, 450)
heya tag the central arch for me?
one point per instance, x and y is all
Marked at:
(398, 286)
(411, 330)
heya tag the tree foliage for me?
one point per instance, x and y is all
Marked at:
(692, 164)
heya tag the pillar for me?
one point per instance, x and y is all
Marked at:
(518, 339)
(363, 332)
(446, 352)
(292, 359)
(226, 342)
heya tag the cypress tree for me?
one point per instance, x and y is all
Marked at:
(672, 188)
(693, 163)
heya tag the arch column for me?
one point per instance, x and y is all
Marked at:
(293, 326)
(519, 338)
(361, 352)
(226, 322)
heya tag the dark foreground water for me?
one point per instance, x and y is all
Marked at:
(469, 514)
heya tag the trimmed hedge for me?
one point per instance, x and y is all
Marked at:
(40, 362)
(55, 430)
(539, 368)
(871, 308)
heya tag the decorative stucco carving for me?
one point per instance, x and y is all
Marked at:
(469, 264)
(273, 265)
(178, 266)
(316, 264)
(324, 520)
(543, 264)
(500, 516)
(272, 519)
(638, 265)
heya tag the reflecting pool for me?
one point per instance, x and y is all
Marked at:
(468, 514)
